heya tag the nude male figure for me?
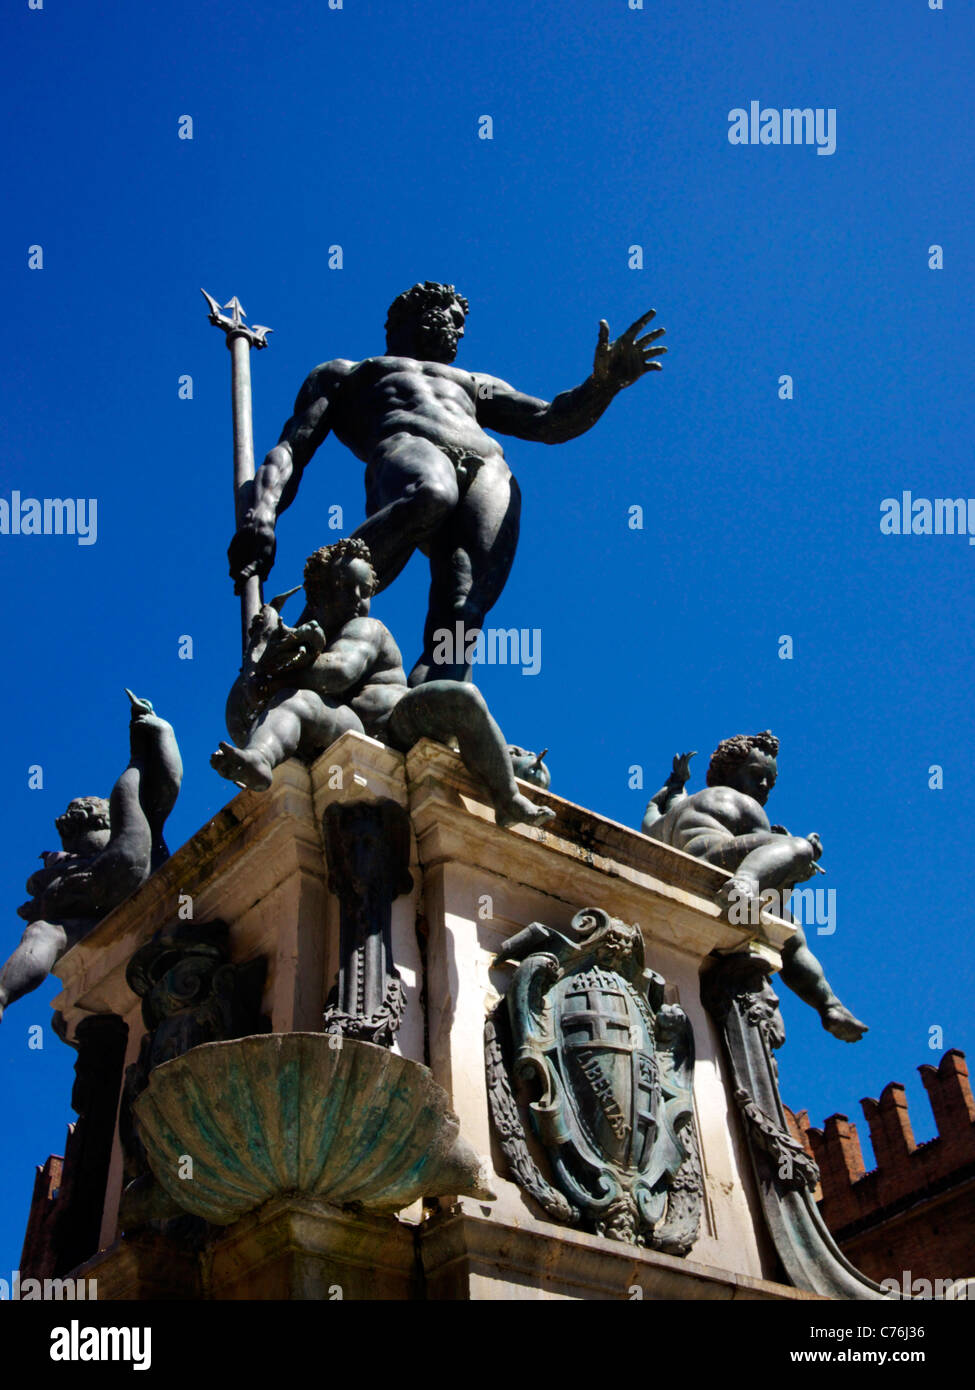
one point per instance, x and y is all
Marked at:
(434, 480)
(342, 670)
(726, 824)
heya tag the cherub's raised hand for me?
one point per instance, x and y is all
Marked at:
(627, 358)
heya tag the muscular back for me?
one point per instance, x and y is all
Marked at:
(715, 812)
(369, 401)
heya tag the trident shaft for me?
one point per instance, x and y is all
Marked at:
(240, 339)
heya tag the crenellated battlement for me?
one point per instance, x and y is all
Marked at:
(910, 1178)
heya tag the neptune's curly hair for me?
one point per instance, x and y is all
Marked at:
(409, 305)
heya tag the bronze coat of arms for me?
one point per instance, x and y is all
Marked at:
(604, 1068)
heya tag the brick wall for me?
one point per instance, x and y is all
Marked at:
(916, 1210)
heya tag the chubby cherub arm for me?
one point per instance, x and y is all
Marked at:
(350, 657)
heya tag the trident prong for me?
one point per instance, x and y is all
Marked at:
(256, 335)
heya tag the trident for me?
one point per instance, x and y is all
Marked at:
(240, 339)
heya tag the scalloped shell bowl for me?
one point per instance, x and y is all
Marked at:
(294, 1113)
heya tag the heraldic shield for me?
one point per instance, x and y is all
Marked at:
(606, 1068)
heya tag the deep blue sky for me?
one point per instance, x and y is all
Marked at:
(359, 127)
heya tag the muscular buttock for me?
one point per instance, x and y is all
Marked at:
(404, 458)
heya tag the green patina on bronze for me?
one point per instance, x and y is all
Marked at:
(607, 1067)
(305, 1113)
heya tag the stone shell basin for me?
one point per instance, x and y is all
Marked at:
(305, 1113)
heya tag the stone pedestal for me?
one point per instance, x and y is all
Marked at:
(260, 867)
